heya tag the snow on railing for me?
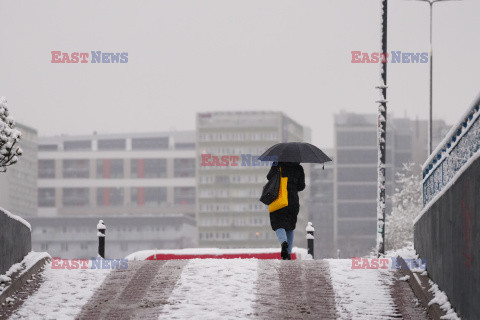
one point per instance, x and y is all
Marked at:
(459, 145)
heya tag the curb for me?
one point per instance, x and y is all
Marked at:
(420, 287)
(18, 281)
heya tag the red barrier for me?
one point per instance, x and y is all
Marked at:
(263, 256)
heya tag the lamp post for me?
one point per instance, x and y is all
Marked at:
(430, 124)
(382, 136)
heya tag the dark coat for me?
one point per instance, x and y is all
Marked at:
(286, 218)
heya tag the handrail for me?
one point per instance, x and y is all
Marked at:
(459, 145)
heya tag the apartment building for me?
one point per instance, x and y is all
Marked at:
(117, 174)
(229, 214)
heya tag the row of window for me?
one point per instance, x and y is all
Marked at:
(236, 235)
(225, 193)
(234, 179)
(239, 136)
(232, 221)
(45, 246)
(155, 143)
(106, 197)
(232, 207)
(114, 168)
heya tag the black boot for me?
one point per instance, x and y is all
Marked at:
(289, 257)
(284, 252)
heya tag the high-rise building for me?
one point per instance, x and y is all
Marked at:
(321, 207)
(229, 214)
(355, 173)
(19, 184)
(117, 174)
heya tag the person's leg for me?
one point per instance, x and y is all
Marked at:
(281, 234)
(289, 234)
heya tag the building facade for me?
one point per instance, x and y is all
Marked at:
(355, 174)
(229, 214)
(117, 174)
(321, 207)
(76, 237)
(19, 184)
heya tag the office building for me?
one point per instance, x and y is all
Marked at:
(117, 174)
(229, 214)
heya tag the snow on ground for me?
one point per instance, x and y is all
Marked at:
(62, 293)
(29, 261)
(360, 293)
(214, 289)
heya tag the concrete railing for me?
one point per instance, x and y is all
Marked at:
(15, 240)
(446, 232)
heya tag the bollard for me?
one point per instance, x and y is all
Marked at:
(101, 238)
(310, 239)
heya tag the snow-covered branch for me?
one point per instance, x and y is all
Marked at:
(9, 138)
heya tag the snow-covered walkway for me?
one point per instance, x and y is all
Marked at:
(218, 289)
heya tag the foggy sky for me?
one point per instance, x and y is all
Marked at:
(197, 55)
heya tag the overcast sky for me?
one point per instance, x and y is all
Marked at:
(195, 56)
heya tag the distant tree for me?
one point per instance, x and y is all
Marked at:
(406, 205)
(9, 138)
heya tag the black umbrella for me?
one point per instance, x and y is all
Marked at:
(294, 152)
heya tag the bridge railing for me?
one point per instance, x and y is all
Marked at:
(452, 154)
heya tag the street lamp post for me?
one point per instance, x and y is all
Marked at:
(430, 124)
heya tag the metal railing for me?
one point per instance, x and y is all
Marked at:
(451, 155)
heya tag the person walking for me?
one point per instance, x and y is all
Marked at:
(284, 220)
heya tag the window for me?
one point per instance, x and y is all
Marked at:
(64, 246)
(357, 174)
(184, 167)
(76, 168)
(357, 192)
(357, 228)
(184, 195)
(75, 197)
(356, 138)
(110, 197)
(357, 209)
(111, 144)
(150, 143)
(77, 145)
(46, 169)
(363, 156)
(148, 168)
(109, 168)
(185, 145)
(47, 147)
(149, 197)
(46, 197)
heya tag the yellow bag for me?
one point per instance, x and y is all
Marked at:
(282, 200)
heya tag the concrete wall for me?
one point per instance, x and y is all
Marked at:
(15, 241)
(448, 236)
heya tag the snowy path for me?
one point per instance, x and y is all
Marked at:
(218, 289)
(62, 293)
(362, 293)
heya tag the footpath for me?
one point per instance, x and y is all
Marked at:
(222, 289)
